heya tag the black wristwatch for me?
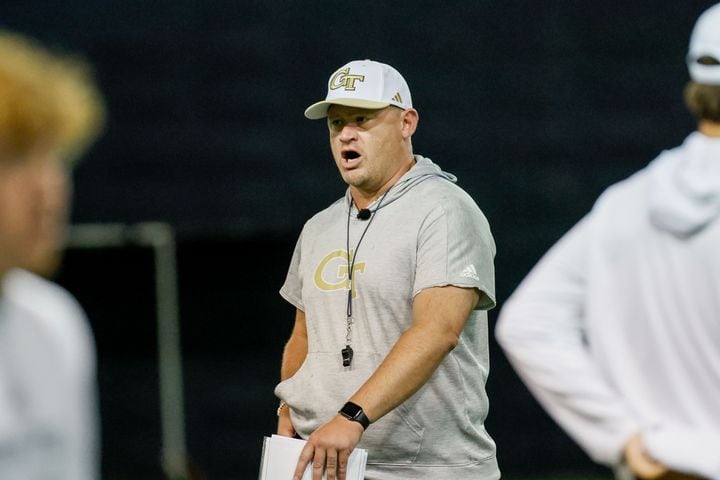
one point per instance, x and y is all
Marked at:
(354, 412)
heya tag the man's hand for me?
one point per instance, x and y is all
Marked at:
(640, 463)
(285, 426)
(646, 468)
(329, 448)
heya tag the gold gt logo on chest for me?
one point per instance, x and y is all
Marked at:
(332, 272)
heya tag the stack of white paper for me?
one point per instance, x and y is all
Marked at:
(280, 456)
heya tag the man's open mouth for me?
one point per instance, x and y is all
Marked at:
(350, 155)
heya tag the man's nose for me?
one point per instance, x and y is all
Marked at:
(348, 132)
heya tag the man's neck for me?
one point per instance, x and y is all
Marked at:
(709, 129)
(363, 199)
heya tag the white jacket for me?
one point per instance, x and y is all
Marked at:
(617, 329)
(48, 410)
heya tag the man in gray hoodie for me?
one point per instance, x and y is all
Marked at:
(616, 330)
(391, 285)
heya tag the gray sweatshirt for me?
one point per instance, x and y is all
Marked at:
(426, 233)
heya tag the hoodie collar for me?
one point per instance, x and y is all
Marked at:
(685, 186)
(422, 170)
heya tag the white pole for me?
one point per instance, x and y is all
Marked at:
(161, 238)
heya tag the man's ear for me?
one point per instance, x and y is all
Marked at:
(410, 119)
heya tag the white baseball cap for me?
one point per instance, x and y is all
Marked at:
(363, 84)
(705, 42)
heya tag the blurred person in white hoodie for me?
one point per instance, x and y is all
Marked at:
(616, 330)
(49, 112)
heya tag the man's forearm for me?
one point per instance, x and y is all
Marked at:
(295, 349)
(293, 357)
(419, 351)
(408, 366)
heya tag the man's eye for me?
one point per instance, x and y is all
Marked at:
(360, 119)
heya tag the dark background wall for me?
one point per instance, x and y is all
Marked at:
(536, 106)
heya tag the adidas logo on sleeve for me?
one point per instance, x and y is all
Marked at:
(470, 272)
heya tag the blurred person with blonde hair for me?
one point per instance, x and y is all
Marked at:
(50, 111)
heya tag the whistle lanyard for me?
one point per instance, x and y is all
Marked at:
(347, 352)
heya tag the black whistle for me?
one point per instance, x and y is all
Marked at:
(347, 355)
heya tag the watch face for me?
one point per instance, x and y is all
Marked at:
(351, 410)
(355, 412)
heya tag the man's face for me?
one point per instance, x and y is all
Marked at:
(367, 145)
(34, 197)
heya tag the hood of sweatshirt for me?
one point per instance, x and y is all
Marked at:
(423, 169)
(685, 186)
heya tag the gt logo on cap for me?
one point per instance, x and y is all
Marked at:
(343, 79)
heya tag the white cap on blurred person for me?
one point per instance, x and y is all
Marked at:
(705, 42)
(363, 84)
